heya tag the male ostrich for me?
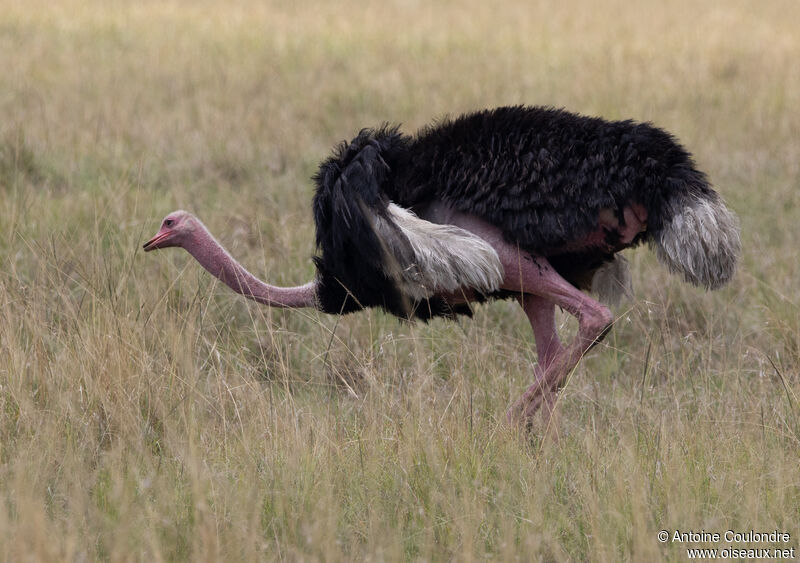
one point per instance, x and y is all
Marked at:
(528, 203)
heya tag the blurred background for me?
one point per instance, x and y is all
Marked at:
(145, 412)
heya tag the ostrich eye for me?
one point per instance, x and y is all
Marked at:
(168, 222)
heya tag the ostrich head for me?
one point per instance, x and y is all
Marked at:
(181, 228)
(176, 229)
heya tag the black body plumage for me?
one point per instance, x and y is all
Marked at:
(540, 175)
(352, 185)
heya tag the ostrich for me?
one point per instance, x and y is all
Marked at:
(526, 203)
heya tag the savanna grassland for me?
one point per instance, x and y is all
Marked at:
(146, 413)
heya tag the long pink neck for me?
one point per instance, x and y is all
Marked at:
(216, 260)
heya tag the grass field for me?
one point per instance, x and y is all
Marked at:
(146, 413)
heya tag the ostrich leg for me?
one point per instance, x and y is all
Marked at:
(541, 288)
(541, 314)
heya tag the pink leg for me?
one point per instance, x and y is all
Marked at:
(541, 314)
(541, 288)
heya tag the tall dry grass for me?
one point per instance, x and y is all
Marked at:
(146, 413)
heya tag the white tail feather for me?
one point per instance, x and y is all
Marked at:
(445, 258)
(701, 241)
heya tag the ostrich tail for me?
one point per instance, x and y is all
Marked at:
(698, 237)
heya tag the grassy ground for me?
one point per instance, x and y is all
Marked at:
(146, 413)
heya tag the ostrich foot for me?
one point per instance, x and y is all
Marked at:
(548, 381)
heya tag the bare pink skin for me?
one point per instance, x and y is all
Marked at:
(634, 222)
(183, 229)
(539, 287)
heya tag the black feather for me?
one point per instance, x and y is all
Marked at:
(351, 267)
(540, 175)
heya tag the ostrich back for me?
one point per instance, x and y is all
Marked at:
(543, 175)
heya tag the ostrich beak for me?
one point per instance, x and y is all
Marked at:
(155, 242)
